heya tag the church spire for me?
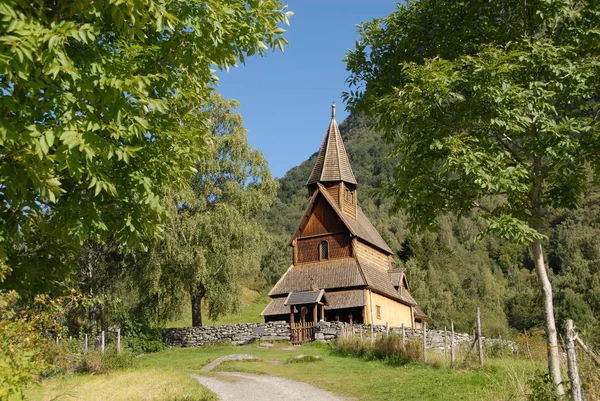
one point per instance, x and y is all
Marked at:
(332, 164)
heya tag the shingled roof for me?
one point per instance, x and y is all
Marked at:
(361, 227)
(332, 162)
(338, 273)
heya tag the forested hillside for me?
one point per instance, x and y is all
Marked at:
(450, 272)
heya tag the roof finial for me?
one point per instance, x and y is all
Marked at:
(333, 110)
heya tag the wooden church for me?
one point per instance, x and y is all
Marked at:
(342, 268)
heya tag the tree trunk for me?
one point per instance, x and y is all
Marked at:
(551, 336)
(196, 309)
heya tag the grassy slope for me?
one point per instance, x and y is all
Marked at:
(165, 376)
(252, 304)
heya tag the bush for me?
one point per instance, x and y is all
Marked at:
(95, 362)
(352, 346)
(390, 349)
(542, 388)
(145, 342)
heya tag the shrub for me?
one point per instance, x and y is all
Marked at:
(95, 362)
(414, 350)
(542, 388)
(352, 346)
(390, 349)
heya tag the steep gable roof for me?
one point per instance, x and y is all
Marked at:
(361, 227)
(332, 162)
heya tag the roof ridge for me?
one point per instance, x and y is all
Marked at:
(338, 138)
(327, 139)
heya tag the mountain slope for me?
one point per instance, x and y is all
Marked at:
(449, 273)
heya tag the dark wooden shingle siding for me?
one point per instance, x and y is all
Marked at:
(309, 249)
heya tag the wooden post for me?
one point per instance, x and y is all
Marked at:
(445, 342)
(102, 341)
(315, 312)
(501, 345)
(70, 339)
(85, 349)
(58, 335)
(452, 352)
(587, 350)
(576, 394)
(479, 339)
(387, 329)
(323, 312)
(118, 341)
(372, 316)
(424, 341)
(403, 337)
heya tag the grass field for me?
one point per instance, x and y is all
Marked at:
(252, 304)
(165, 376)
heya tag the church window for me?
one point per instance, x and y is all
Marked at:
(324, 250)
(378, 312)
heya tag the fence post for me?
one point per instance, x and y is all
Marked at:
(102, 341)
(118, 341)
(85, 349)
(479, 339)
(424, 341)
(445, 342)
(576, 394)
(403, 337)
(452, 353)
(387, 329)
(57, 336)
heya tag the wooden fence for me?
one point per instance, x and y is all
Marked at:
(302, 332)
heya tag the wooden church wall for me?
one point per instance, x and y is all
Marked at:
(350, 203)
(323, 220)
(309, 248)
(365, 251)
(334, 192)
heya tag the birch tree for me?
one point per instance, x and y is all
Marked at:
(212, 241)
(496, 115)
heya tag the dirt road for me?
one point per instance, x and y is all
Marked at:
(233, 386)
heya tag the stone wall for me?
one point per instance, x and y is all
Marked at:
(435, 338)
(245, 333)
(240, 333)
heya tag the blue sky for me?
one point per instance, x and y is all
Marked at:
(285, 97)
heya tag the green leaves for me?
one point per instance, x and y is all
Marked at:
(497, 118)
(95, 95)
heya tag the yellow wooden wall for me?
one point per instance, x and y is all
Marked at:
(392, 312)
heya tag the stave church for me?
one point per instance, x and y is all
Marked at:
(342, 268)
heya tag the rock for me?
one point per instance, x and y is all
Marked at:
(265, 345)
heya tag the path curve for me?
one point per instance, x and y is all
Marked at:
(235, 386)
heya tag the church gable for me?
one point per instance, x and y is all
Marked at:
(322, 220)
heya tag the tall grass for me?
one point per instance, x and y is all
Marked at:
(389, 349)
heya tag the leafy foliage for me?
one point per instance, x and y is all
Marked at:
(212, 242)
(97, 103)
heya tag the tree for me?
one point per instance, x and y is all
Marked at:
(212, 241)
(497, 116)
(95, 102)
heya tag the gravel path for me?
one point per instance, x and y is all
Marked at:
(233, 386)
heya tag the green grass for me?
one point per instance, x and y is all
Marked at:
(252, 304)
(165, 376)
